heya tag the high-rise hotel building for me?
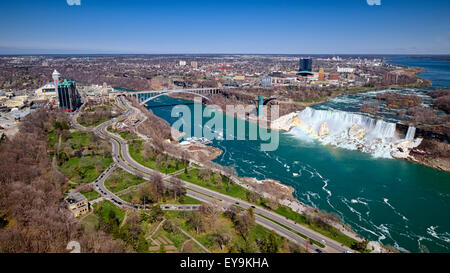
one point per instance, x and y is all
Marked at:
(68, 96)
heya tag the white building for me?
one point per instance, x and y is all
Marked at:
(46, 92)
(345, 70)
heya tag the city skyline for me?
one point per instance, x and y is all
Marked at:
(228, 27)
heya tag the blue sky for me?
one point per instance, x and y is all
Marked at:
(216, 26)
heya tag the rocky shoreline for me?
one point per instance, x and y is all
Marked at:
(276, 192)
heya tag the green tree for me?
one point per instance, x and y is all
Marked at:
(156, 213)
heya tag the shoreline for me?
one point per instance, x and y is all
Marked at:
(288, 200)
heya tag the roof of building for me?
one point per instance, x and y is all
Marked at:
(304, 73)
(67, 83)
(75, 198)
(50, 85)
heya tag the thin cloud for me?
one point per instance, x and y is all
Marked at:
(74, 2)
(374, 2)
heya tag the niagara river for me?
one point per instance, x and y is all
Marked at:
(395, 202)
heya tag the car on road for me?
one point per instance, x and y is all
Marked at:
(318, 250)
(237, 203)
(253, 207)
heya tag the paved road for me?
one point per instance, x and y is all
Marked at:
(332, 246)
(123, 160)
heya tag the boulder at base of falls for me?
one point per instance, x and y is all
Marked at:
(402, 149)
(323, 130)
(286, 122)
(356, 132)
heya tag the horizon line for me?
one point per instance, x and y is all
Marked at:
(266, 54)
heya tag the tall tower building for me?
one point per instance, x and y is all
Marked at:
(321, 75)
(55, 77)
(305, 65)
(68, 96)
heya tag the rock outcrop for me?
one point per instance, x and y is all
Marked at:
(356, 132)
(323, 130)
(402, 149)
(286, 123)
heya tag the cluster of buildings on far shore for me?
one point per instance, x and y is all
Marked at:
(342, 76)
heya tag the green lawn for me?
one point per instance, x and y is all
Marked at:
(94, 124)
(95, 159)
(330, 232)
(177, 238)
(90, 222)
(185, 200)
(172, 164)
(91, 195)
(359, 89)
(190, 201)
(52, 138)
(120, 180)
(79, 139)
(103, 208)
(85, 169)
(206, 239)
(233, 190)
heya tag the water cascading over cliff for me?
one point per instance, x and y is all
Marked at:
(348, 130)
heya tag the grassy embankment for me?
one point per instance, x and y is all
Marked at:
(120, 180)
(91, 195)
(227, 187)
(90, 116)
(224, 186)
(82, 157)
(224, 225)
(154, 160)
(136, 229)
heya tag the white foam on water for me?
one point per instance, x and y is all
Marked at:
(299, 133)
(325, 185)
(386, 201)
(441, 236)
(345, 201)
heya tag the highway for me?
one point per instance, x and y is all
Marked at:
(123, 159)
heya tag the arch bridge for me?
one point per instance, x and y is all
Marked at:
(146, 96)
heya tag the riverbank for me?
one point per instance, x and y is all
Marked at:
(283, 195)
(381, 199)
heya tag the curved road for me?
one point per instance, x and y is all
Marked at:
(123, 159)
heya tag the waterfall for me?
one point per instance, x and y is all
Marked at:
(350, 131)
(411, 133)
(339, 121)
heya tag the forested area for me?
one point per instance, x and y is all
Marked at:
(33, 217)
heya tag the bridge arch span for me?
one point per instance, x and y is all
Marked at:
(171, 92)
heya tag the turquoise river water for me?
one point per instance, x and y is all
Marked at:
(398, 203)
